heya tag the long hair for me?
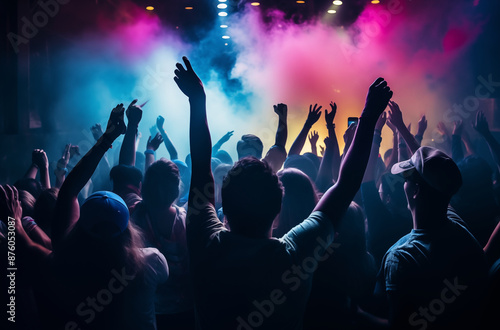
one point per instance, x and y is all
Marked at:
(299, 200)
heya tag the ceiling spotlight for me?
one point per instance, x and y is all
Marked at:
(255, 4)
(300, 1)
(222, 13)
(331, 11)
(337, 2)
(150, 8)
(224, 26)
(225, 44)
(375, 2)
(188, 8)
(226, 37)
(222, 6)
(222, 0)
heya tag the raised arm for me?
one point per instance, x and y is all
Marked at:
(41, 161)
(313, 140)
(312, 117)
(168, 144)
(11, 213)
(422, 126)
(281, 110)
(377, 139)
(481, 125)
(396, 118)
(151, 147)
(61, 169)
(67, 210)
(336, 200)
(127, 150)
(202, 181)
(329, 117)
(393, 159)
(221, 141)
(324, 180)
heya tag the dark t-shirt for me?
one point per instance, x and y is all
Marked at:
(437, 275)
(245, 283)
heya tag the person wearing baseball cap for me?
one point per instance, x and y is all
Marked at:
(439, 259)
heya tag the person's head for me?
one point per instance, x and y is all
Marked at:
(44, 209)
(224, 157)
(27, 202)
(104, 235)
(315, 159)
(215, 163)
(249, 146)
(161, 184)
(30, 185)
(299, 200)
(251, 197)
(124, 175)
(431, 178)
(303, 163)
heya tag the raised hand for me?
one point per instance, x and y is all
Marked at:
(10, 206)
(64, 160)
(381, 121)
(116, 124)
(226, 137)
(422, 126)
(329, 117)
(314, 114)
(159, 123)
(458, 127)
(134, 113)
(313, 138)
(39, 158)
(378, 96)
(188, 81)
(481, 124)
(74, 150)
(281, 110)
(154, 143)
(395, 114)
(96, 131)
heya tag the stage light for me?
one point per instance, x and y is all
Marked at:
(300, 1)
(222, 13)
(222, 6)
(255, 4)
(337, 2)
(331, 11)
(150, 8)
(224, 26)
(226, 37)
(222, 0)
(188, 8)
(375, 2)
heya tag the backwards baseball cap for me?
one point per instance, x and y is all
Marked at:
(104, 215)
(435, 167)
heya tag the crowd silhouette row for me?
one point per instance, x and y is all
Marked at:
(282, 240)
